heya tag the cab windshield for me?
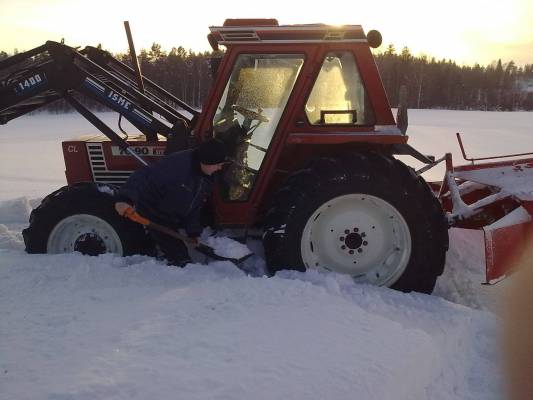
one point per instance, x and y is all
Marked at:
(248, 113)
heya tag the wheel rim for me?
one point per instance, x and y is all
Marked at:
(359, 235)
(85, 233)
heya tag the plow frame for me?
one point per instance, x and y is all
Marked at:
(493, 194)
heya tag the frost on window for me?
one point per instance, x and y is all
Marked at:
(338, 95)
(248, 114)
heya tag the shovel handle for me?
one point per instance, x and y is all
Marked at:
(201, 247)
(131, 214)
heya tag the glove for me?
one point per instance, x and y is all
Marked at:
(121, 207)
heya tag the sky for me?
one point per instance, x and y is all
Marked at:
(466, 31)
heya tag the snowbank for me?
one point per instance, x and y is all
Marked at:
(460, 283)
(132, 328)
(10, 239)
(464, 274)
(15, 210)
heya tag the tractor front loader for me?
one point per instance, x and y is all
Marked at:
(305, 118)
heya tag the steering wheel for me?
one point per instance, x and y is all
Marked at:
(249, 114)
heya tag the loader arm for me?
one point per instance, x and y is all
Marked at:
(53, 71)
(122, 71)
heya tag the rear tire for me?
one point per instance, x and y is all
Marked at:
(82, 218)
(367, 215)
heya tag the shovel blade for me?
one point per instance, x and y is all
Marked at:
(210, 252)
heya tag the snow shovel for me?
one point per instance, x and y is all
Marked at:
(203, 248)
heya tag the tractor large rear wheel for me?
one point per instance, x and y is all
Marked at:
(367, 215)
(82, 218)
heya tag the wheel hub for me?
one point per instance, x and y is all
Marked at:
(353, 240)
(90, 244)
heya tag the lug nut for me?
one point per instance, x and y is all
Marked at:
(343, 247)
(341, 238)
(351, 252)
(365, 243)
(347, 231)
(363, 234)
(359, 250)
(355, 229)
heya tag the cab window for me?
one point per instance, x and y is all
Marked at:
(248, 114)
(338, 96)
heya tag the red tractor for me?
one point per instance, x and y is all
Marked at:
(312, 138)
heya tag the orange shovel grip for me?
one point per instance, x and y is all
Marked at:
(131, 214)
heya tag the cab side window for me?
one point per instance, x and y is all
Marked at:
(338, 96)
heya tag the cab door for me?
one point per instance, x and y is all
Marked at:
(248, 111)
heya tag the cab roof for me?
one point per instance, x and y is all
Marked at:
(268, 31)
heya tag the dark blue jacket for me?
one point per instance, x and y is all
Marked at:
(171, 191)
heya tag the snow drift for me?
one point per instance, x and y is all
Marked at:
(16, 210)
(76, 327)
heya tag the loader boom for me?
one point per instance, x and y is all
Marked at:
(54, 71)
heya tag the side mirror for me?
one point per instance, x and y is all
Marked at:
(214, 63)
(402, 120)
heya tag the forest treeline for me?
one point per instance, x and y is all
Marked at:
(431, 83)
(435, 83)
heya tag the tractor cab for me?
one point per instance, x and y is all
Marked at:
(282, 91)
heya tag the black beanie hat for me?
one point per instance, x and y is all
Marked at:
(212, 151)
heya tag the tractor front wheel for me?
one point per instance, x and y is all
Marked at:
(365, 215)
(82, 218)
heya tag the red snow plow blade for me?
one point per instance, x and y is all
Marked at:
(506, 249)
(496, 197)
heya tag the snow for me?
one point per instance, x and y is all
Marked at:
(464, 273)
(484, 134)
(517, 216)
(105, 189)
(15, 210)
(516, 179)
(227, 247)
(32, 158)
(77, 327)
(10, 239)
(131, 328)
